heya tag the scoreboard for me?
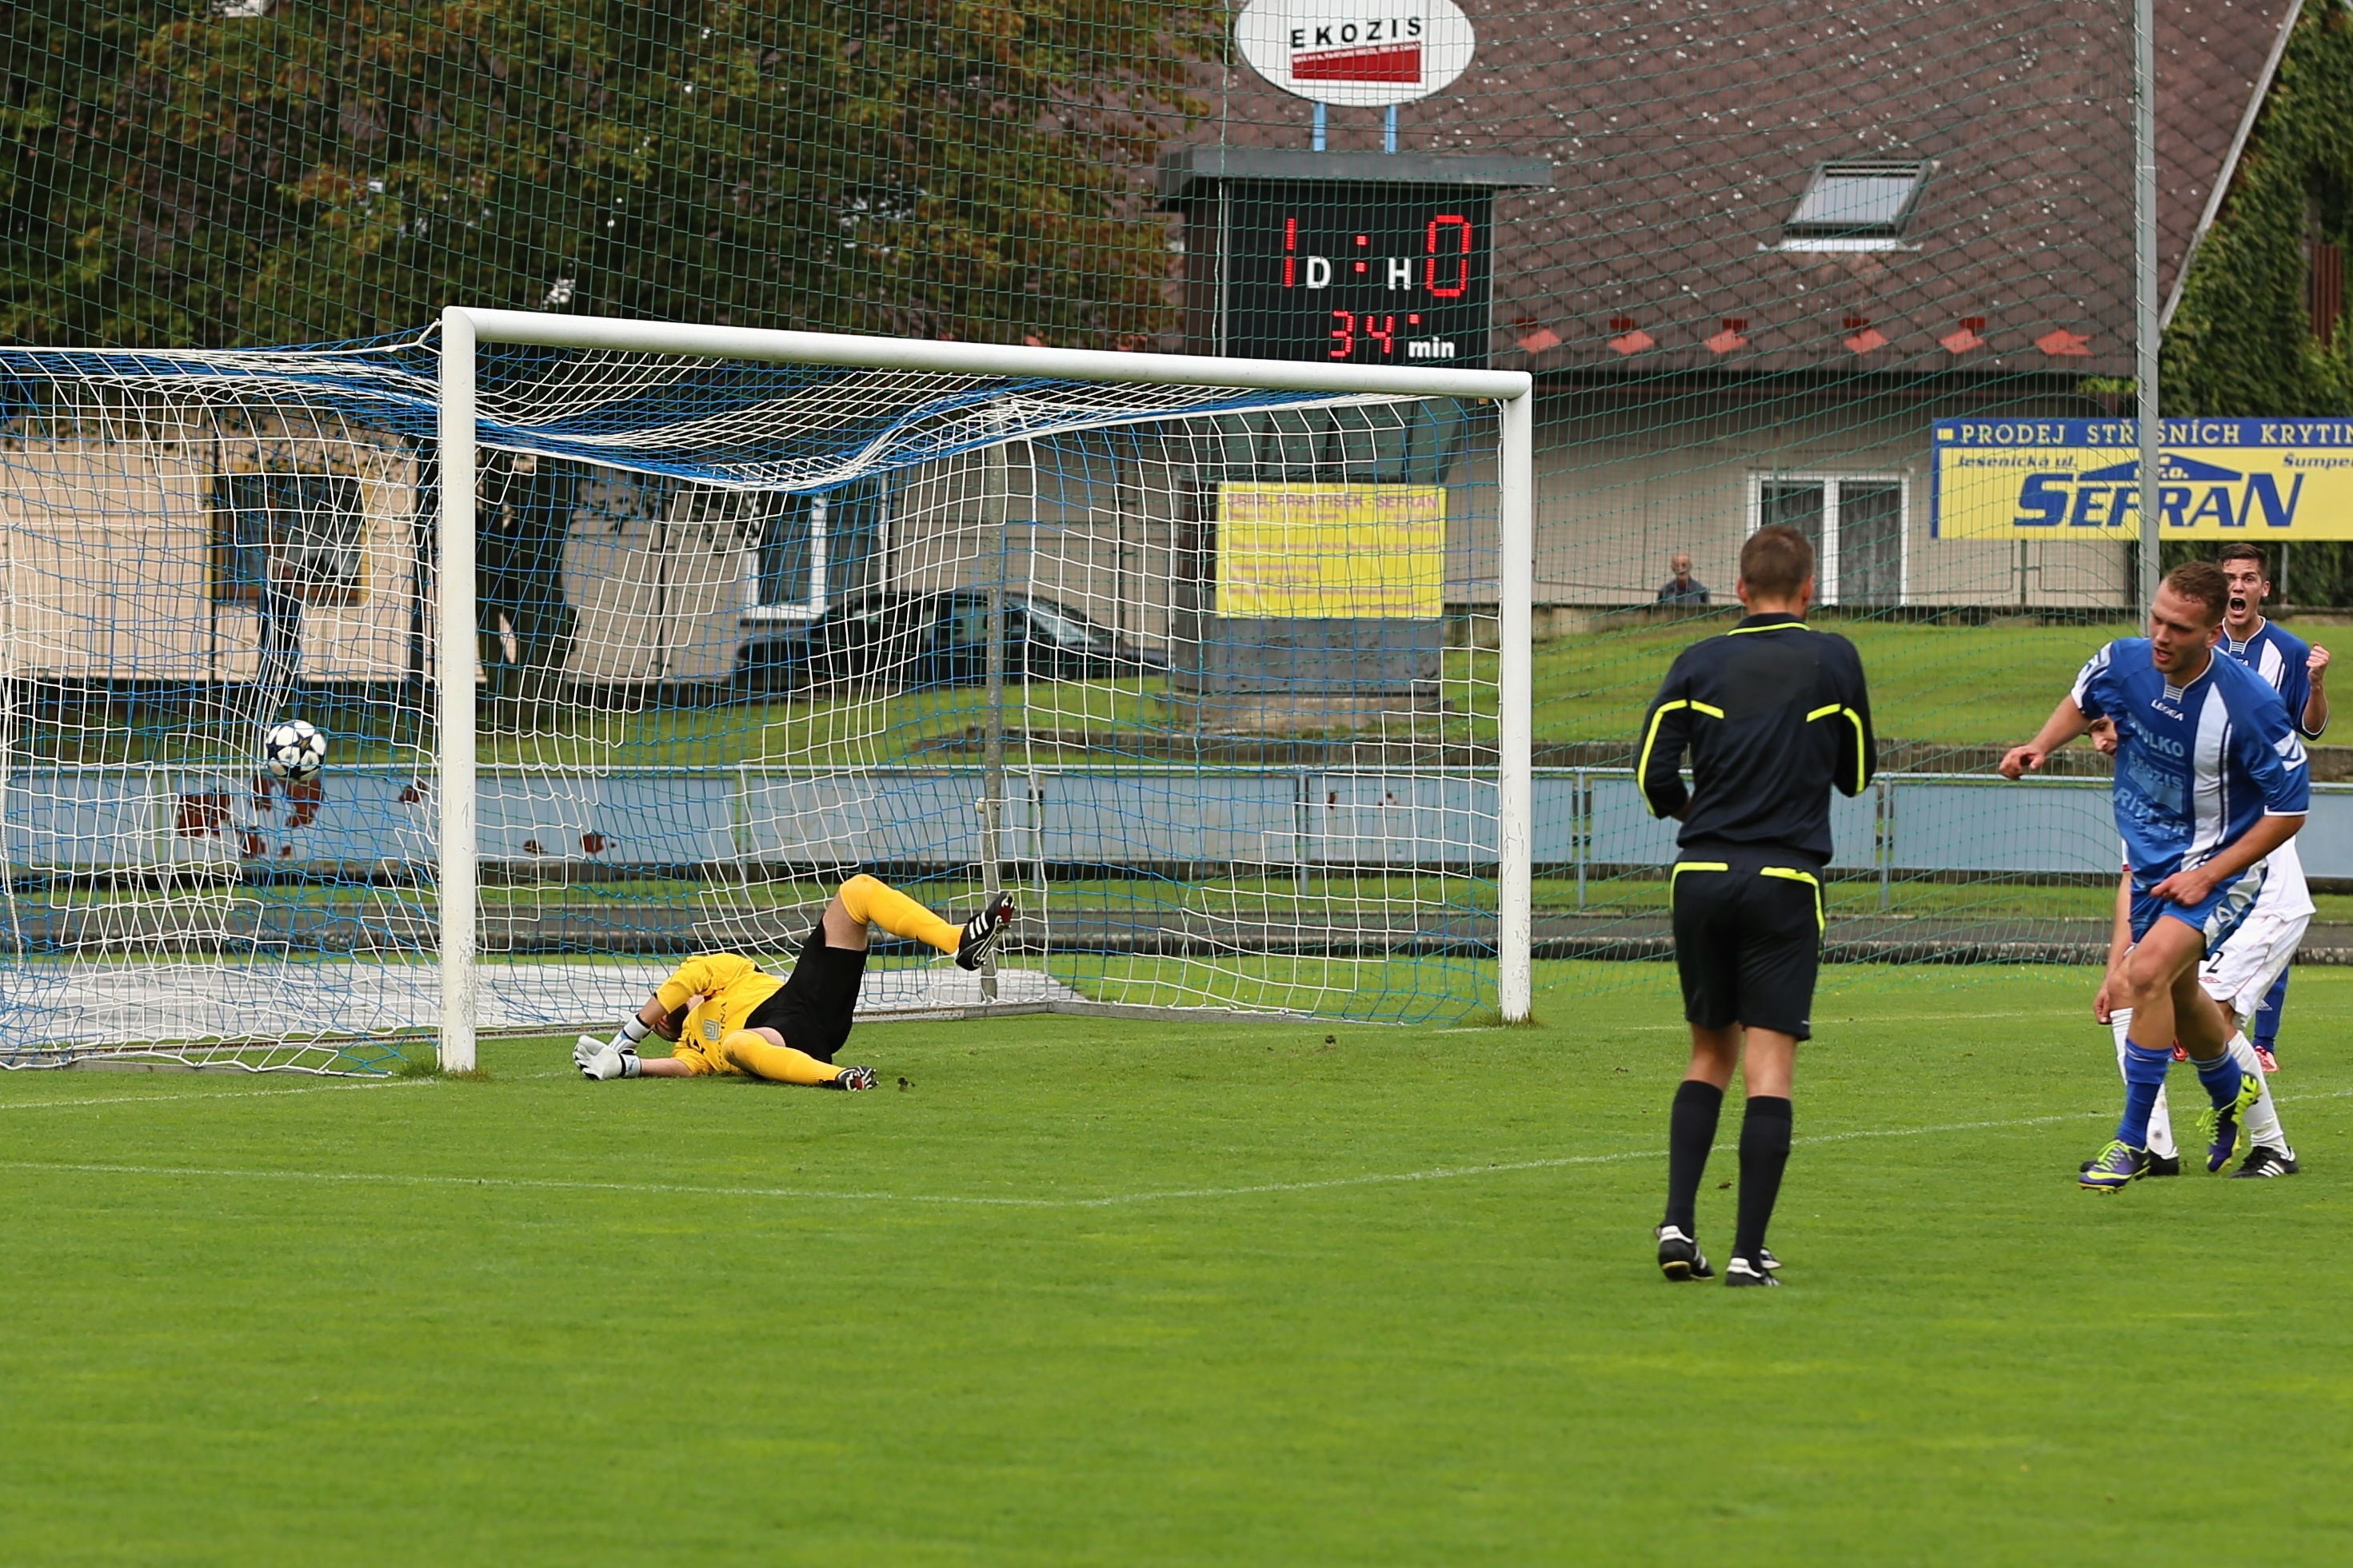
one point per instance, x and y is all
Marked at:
(1369, 274)
(1363, 258)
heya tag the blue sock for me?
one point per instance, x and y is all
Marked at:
(2221, 1077)
(2144, 1076)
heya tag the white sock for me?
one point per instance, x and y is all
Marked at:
(2160, 1120)
(2263, 1117)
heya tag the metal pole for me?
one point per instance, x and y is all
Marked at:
(1580, 841)
(2145, 301)
(1514, 718)
(455, 694)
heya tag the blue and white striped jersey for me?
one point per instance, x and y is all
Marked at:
(2279, 657)
(2197, 766)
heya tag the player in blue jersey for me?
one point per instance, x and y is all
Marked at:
(2299, 673)
(2211, 778)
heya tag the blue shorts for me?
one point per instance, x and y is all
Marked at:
(2215, 917)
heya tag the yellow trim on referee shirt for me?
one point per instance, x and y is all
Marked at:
(1775, 626)
(1788, 874)
(1855, 720)
(1643, 767)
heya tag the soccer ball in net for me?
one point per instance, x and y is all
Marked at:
(294, 752)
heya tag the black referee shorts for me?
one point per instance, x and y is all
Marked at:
(813, 1010)
(1748, 939)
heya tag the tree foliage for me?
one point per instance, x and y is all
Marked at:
(185, 174)
(2241, 343)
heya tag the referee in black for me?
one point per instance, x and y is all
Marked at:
(1775, 716)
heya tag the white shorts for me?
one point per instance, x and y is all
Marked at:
(2240, 972)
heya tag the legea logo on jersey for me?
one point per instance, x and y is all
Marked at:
(1365, 54)
(2220, 479)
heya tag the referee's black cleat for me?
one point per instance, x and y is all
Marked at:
(2263, 1162)
(1741, 1272)
(1680, 1257)
(983, 931)
(1772, 1263)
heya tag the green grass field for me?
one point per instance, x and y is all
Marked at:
(1124, 1293)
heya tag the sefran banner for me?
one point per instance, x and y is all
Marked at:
(2221, 478)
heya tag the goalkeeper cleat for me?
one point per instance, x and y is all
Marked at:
(2221, 1125)
(2114, 1168)
(1680, 1257)
(2263, 1162)
(602, 1061)
(1743, 1271)
(978, 945)
(853, 1079)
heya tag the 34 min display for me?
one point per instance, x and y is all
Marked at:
(1356, 276)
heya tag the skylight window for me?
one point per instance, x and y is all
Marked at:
(1856, 205)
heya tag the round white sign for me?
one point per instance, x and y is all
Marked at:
(1359, 52)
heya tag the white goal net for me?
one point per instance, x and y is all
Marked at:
(1204, 661)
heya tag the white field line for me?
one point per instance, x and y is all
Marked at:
(226, 1092)
(1116, 1200)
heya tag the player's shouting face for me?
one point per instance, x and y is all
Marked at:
(2181, 636)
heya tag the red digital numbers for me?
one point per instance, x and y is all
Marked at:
(1455, 230)
(1352, 324)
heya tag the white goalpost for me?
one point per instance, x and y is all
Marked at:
(465, 330)
(396, 693)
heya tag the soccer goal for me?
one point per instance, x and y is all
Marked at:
(416, 688)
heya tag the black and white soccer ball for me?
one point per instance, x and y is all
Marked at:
(294, 752)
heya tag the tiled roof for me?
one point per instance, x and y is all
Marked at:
(1683, 132)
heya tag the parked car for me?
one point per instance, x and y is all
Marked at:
(939, 639)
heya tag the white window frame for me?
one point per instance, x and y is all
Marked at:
(1825, 570)
(810, 607)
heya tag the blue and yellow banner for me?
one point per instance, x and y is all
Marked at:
(2259, 480)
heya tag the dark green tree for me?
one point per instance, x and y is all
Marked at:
(321, 171)
(2241, 342)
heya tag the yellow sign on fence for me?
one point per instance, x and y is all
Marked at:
(2256, 480)
(1332, 552)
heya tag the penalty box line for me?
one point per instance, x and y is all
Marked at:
(1113, 1200)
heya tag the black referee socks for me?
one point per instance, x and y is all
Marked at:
(1691, 1133)
(1764, 1153)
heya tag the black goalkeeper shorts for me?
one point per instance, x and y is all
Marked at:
(1748, 939)
(813, 1010)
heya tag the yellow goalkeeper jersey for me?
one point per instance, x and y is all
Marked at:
(731, 987)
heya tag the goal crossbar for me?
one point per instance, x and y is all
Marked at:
(464, 331)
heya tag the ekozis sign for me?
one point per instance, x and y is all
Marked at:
(1365, 53)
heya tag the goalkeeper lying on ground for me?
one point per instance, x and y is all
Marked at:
(728, 1016)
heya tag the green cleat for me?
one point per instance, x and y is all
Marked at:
(2221, 1125)
(2114, 1168)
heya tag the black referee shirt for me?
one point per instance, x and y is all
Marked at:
(1775, 715)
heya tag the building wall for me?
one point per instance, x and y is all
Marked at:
(108, 540)
(1620, 489)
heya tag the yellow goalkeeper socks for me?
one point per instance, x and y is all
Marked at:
(778, 1064)
(873, 902)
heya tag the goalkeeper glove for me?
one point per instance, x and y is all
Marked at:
(599, 1060)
